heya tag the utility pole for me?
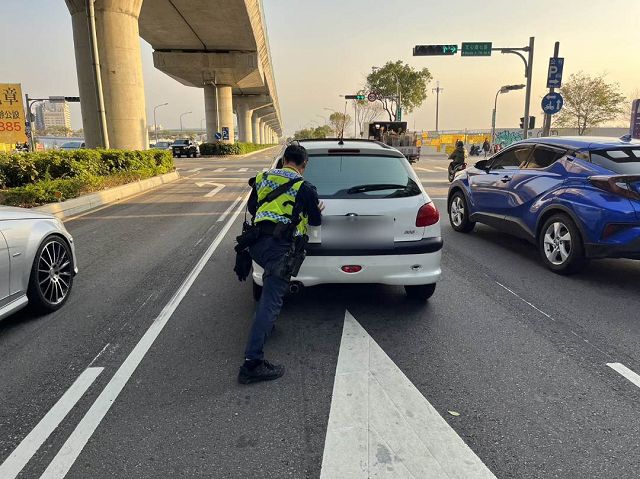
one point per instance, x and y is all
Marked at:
(437, 89)
(527, 101)
(546, 128)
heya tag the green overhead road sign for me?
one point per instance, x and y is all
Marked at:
(432, 50)
(476, 49)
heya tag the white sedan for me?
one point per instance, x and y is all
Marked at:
(37, 261)
(379, 225)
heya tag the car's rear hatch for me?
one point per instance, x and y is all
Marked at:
(370, 202)
(625, 163)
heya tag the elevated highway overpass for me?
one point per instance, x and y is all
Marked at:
(220, 46)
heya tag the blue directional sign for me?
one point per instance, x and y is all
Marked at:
(554, 76)
(552, 103)
(225, 132)
(218, 135)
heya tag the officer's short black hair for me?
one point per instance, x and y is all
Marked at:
(295, 154)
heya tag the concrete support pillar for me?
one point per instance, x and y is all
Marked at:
(263, 132)
(255, 126)
(218, 109)
(245, 126)
(211, 112)
(118, 41)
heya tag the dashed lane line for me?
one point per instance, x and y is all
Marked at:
(71, 449)
(218, 170)
(441, 168)
(626, 372)
(243, 169)
(22, 454)
(195, 170)
(424, 169)
(228, 210)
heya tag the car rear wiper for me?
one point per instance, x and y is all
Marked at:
(374, 187)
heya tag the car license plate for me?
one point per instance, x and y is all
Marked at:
(357, 231)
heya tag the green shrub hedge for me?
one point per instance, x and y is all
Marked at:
(31, 179)
(230, 149)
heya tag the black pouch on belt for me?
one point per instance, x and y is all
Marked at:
(243, 265)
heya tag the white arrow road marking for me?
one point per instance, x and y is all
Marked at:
(380, 425)
(213, 192)
(21, 455)
(218, 170)
(626, 372)
(195, 170)
(243, 169)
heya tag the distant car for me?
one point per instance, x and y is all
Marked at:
(37, 261)
(163, 145)
(72, 145)
(575, 198)
(185, 147)
(379, 225)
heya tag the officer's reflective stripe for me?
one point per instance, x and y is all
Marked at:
(280, 209)
(272, 216)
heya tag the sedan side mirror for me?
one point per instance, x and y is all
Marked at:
(482, 165)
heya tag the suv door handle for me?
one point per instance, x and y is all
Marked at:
(505, 179)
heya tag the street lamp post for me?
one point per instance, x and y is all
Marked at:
(437, 89)
(155, 123)
(503, 89)
(181, 115)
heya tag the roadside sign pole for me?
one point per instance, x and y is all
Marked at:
(527, 101)
(546, 128)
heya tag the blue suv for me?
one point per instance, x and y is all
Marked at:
(576, 198)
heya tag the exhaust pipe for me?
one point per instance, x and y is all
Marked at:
(295, 287)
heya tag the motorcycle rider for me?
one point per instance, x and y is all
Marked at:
(458, 157)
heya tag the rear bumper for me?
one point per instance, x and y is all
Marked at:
(391, 269)
(423, 246)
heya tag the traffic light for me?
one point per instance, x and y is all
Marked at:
(355, 97)
(432, 50)
(532, 122)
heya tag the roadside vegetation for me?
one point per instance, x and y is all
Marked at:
(230, 149)
(33, 179)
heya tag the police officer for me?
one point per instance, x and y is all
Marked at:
(290, 212)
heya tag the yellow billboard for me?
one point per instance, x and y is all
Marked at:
(11, 114)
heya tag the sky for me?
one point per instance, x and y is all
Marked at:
(321, 50)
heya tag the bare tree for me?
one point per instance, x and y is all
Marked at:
(588, 102)
(367, 112)
(340, 122)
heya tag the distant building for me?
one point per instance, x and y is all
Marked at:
(50, 114)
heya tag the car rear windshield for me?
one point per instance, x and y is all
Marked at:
(358, 177)
(620, 160)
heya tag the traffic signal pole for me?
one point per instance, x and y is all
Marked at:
(546, 128)
(527, 101)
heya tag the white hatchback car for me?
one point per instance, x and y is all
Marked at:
(379, 225)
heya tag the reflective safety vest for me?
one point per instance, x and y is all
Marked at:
(279, 210)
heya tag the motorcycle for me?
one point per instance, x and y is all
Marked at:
(475, 150)
(455, 168)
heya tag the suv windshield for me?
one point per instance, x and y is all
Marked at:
(360, 177)
(181, 142)
(625, 161)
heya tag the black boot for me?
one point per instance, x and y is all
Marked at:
(253, 371)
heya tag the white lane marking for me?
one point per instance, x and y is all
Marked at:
(21, 455)
(380, 425)
(440, 199)
(243, 169)
(195, 170)
(226, 179)
(71, 449)
(424, 169)
(441, 168)
(218, 170)
(213, 192)
(626, 372)
(226, 213)
(265, 169)
(105, 347)
(525, 301)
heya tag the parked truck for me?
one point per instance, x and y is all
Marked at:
(394, 133)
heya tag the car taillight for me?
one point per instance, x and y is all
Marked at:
(351, 268)
(618, 185)
(427, 215)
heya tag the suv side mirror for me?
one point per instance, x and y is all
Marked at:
(482, 165)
